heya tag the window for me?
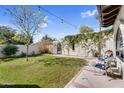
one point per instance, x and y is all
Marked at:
(119, 45)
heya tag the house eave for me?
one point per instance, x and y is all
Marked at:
(108, 14)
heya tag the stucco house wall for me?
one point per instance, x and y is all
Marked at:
(120, 25)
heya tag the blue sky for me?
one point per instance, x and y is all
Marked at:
(77, 15)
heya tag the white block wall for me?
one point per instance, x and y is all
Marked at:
(79, 51)
(33, 49)
(53, 49)
(1, 55)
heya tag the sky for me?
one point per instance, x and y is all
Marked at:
(75, 14)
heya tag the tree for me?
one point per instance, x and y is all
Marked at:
(84, 29)
(86, 41)
(10, 35)
(91, 41)
(6, 34)
(46, 41)
(20, 39)
(100, 28)
(102, 35)
(28, 21)
(46, 37)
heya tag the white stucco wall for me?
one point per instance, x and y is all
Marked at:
(53, 49)
(79, 51)
(1, 55)
(85, 52)
(33, 49)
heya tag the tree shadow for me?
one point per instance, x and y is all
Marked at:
(19, 86)
(7, 59)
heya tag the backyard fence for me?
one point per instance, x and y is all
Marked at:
(33, 49)
(65, 50)
(85, 52)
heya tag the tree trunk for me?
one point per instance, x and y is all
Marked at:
(99, 45)
(100, 28)
(27, 47)
(99, 48)
(68, 50)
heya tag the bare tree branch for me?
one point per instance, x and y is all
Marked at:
(26, 21)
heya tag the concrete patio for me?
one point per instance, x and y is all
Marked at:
(92, 77)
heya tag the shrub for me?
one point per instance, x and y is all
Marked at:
(9, 50)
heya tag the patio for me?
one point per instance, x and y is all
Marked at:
(92, 77)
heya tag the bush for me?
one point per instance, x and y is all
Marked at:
(9, 50)
(45, 50)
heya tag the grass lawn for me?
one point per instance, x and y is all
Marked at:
(41, 71)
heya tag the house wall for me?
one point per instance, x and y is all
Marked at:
(33, 49)
(120, 25)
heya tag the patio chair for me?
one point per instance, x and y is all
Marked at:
(108, 56)
(103, 62)
(114, 69)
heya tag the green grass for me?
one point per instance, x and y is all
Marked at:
(43, 71)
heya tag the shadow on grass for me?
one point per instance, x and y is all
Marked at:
(7, 59)
(19, 86)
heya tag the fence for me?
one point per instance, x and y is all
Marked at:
(80, 51)
(33, 49)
